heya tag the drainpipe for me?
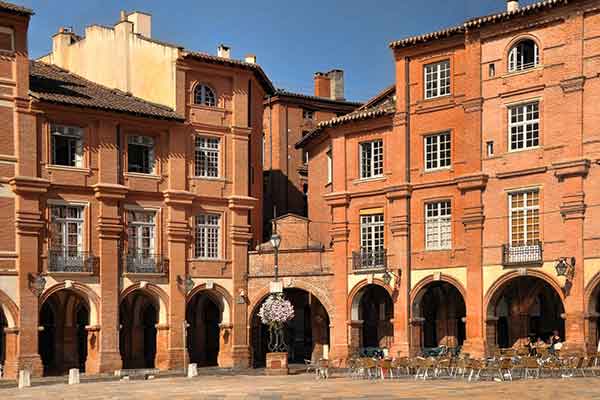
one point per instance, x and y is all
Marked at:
(407, 178)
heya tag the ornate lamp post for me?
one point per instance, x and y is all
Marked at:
(565, 270)
(186, 284)
(276, 242)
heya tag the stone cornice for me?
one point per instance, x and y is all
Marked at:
(178, 197)
(110, 191)
(398, 192)
(573, 84)
(473, 217)
(241, 202)
(473, 105)
(476, 181)
(573, 206)
(337, 199)
(521, 172)
(28, 184)
(571, 168)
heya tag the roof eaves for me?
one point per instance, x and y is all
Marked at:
(15, 9)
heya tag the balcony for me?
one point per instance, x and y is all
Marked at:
(367, 260)
(71, 260)
(138, 263)
(522, 255)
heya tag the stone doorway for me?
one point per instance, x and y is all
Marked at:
(204, 317)
(438, 317)
(138, 318)
(63, 342)
(525, 306)
(307, 335)
(372, 313)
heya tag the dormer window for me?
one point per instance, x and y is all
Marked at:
(205, 96)
(524, 55)
(308, 114)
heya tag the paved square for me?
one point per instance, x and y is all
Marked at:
(304, 387)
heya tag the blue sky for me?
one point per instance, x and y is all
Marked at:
(292, 39)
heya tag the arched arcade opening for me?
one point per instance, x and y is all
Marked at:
(3, 325)
(63, 344)
(139, 316)
(204, 316)
(306, 336)
(372, 314)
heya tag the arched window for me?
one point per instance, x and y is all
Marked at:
(205, 96)
(523, 55)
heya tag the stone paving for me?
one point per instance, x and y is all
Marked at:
(304, 387)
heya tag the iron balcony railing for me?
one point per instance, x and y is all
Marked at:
(369, 259)
(522, 254)
(70, 260)
(145, 263)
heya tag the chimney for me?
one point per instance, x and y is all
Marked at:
(250, 58)
(61, 42)
(512, 5)
(322, 85)
(336, 78)
(124, 26)
(224, 51)
(142, 23)
(122, 16)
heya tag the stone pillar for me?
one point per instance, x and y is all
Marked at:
(416, 335)
(10, 352)
(225, 359)
(591, 333)
(355, 336)
(29, 223)
(162, 358)
(93, 346)
(109, 228)
(490, 335)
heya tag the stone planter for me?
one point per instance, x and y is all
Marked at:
(277, 363)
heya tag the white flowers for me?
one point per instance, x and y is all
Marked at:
(276, 310)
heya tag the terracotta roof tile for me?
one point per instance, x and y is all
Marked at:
(15, 9)
(55, 85)
(282, 92)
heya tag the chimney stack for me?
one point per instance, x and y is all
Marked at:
(250, 58)
(336, 77)
(123, 16)
(322, 85)
(142, 23)
(512, 5)
(224, 51)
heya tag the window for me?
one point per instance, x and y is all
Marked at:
(490, 148)
(329, 167)
(524, 55)
(207, 236)
(141, 227)
(371, 159)
(67, 145)
(437, 151)
(66, 230)
(308, 114)
(371, 233)
(438, 225)
(140, 154)
(207, 157)
(492, 70)
(524, 208)
(205, 96)
(7, 39)
(437, 79)
(524, 126)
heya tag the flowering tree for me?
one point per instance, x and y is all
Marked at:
(275, 312)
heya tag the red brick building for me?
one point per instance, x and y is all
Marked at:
(451, 211)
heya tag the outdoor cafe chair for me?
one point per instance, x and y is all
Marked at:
(322, 369)
(531, 367)
(386, 368)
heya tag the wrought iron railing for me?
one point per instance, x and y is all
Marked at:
(369, 259)
(522, 254)
(69, 260)
(140, 263)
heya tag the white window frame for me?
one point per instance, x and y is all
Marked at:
(203, 251)
(518, 65)
(329, 156)
(372, 232)
(208, 96)
(308, 114)
(135, 246)
(64, 223)
(143, 141)
(432, 144)
(373, 156)
(210, 147)
(70, 132)
(440, 86)
(526, 209)
(524, 125)
(438, 226)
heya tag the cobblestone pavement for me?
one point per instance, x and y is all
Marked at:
(305, 387)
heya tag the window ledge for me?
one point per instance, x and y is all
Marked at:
(209, 108)
(141, 175)
(524, 71)
(524, 149)
(55, 167)
(372, 179)
(434, 170)
(209, 260)
(437, 250)
(208, 178)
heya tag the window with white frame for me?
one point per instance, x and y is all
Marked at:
(207, 157)
(205, 96)
(438, 225)
(524, 55)
(66, 229)
(141, 228)
(329, 166)
(437, 79)
(140, 154)
(308, 114)
(371, 233)
(524, 212)
(437, 151)
(67, 145)
(524, 125)
(208, 234)
(371, 159)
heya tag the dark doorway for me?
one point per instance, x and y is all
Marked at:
(3, 325)
(204, 317)
(138, 317)
(376, 309)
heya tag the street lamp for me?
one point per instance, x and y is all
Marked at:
(37, 283)
(565, 270)
(276, 242)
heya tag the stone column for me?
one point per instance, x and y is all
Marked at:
(162, 359)
(10, 351)
(225, 359)
(490, 334)
(355, 336)
(93, 345)
(416, 335)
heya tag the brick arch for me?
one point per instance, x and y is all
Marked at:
(93, 301)
(420, 288)
(493, 294)
(520, 38)
(155, 293)
(355, 295)
(222, 298)
(10, 309)
(296, 284)
(592, 290)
